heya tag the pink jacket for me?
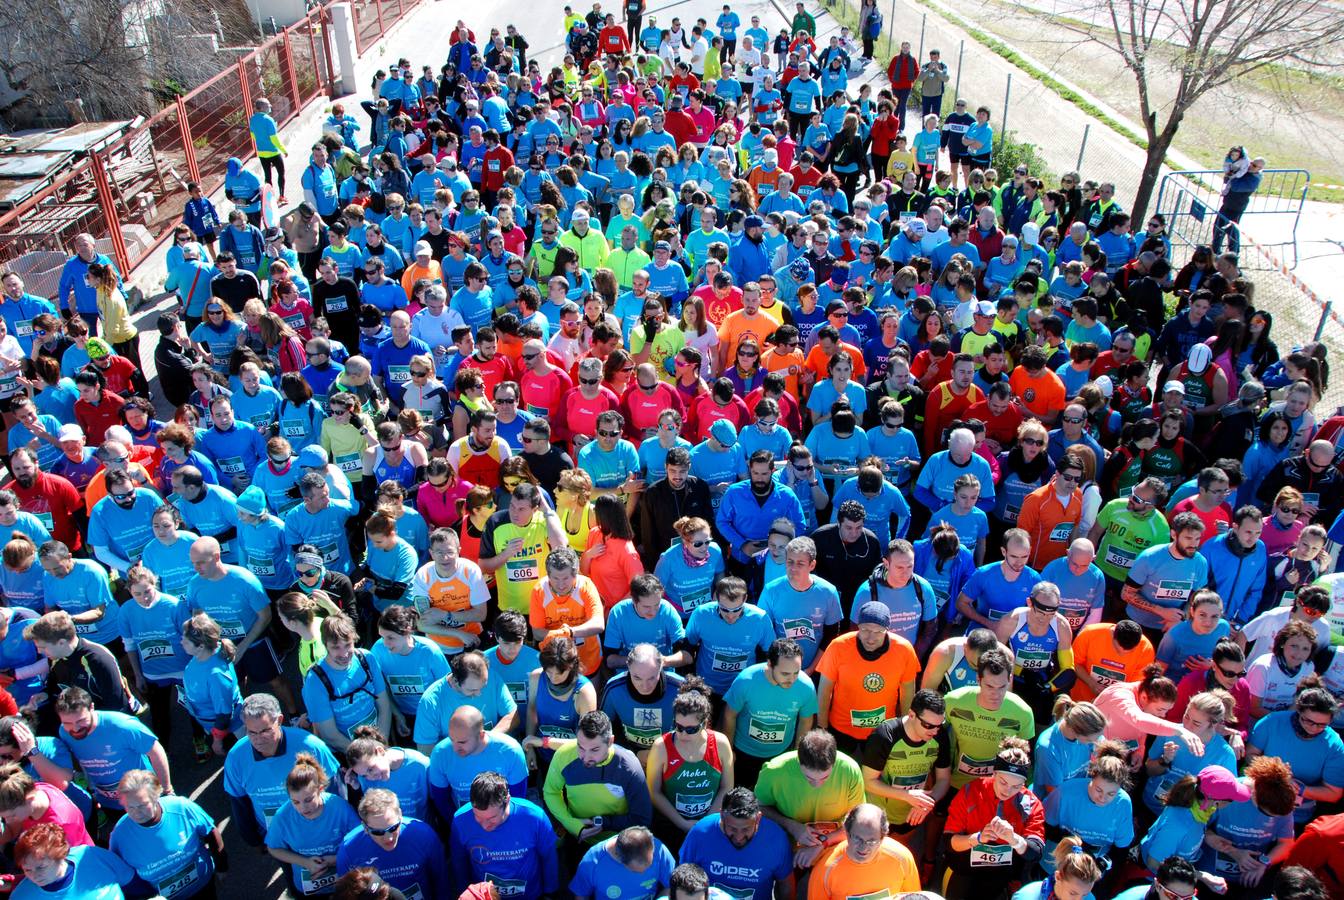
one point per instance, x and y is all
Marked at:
(1125, 720)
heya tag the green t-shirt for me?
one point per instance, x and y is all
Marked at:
(666, 343)
(904, 763)
(782, 785)
(976, 732)
(1126, 535)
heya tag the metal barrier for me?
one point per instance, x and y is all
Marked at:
(131, 194)
(1191, 202)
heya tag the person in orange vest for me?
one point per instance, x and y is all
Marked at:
(1051, 513)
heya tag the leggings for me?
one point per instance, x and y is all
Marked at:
(161, 698)
(274, 164)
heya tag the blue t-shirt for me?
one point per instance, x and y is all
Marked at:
(653, 457)
(1104, 827)
(409, 781)
(878, 510)
(24, 589)
(124, 531)
(749, 873)
(1248, 829)
(442, 700)
(1316, 760)
(1079, 595)
(408, 676)
(17, 652)
(261, 780)
(602, 875)
(995, 596)
(1165, 581)
(325, 529)
(234, 601)
(353, 698)
(518, 856)
(1181, 642)
(155, 634)
(262, 549)
(608, 469)
(767, 713)
(417, 866)
(514, 674)
(210, 692)
(1057, 759)
(1176, 833)
(117, 744)
(171, 562)
(688, 588)
(970, 527)
(501, 754)
(171, 854)
(722, 649)
(626, 628)
(93, 874)
(802, 615)
(321, 836)
(85, 588)
(1216, 753)
(214, 512)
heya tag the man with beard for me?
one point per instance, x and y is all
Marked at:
(639, 700)
(748, 259)
(53, 499)
(747, 509)
(119, 526)
(846, 551)
(670, 498)
(1163, 578)
(255, 769)
(743, 854)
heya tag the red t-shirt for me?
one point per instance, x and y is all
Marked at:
(1216, 523)
(1001, 428)
(578, 414)
(641, 410)
(55, 501)
(498, 370)
(542, 393)
(64, 813)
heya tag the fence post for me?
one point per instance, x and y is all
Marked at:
(245, 89)
(109, 206)
(382, 29)
(891, 27)
(1003, 122)
(956, 88)
(322, 25)
(1087, 128)
(923, 21)
(1325, 317)
(188, 147)
(288, 48)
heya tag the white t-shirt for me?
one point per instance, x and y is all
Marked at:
(1260, 631)
(1271, 684)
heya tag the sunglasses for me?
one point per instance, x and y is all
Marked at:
(380, 832)
(1291, 510)
(608, 434)
(590, 381)
(936, 726)
(691, 729)
(307, 573)
(509, 401)
(1074, 420)
(1035, 442)
(530, 356)
(1045, 608)
(1234, 674)
(698, 544)
(419, 373)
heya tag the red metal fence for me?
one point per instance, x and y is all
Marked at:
(140, 182)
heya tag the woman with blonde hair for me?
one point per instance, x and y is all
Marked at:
(306, 832)
(1075, 873)
(114, 312)
(700, 334)
(1169, 761)
(573, 502)
(1065, 748)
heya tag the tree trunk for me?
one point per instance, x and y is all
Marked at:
(1152, 168)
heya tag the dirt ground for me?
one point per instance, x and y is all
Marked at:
(1288, 116)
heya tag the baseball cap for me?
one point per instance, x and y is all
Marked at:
(1105, 385)
(753, 222)
(724, 432)
(1009, 241)
(1176, 386)
(663, 245)
(985, 308)
(1198, 360)
(252, 501)
(836, 306)
(800, 268)
(70, 432)
(874, 612)
(97, 348)
(840, 274)
(312, 457)
(1217, 783)
(580, 215)
(918, 227)
(422, 248)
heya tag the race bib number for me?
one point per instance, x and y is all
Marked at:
(330, 551)
(799, 630)
(1061, 532)
(348, 462)
(24, 328)
(867, 718)
(507, 887)
(1168, 589)
(231, 628)
(232, 465)
(178, 882)
(729, 662)
(86, 627)
(765, 732)
(690, 601)
(1121, 559)
(311, 884)
(399, 374)
(337, 305)
(976, 767)
(517, 690)
(991, 855)
(261, 566)
(290, 428)
(1034, 660)
(154, 649)
(521, 569)
(405, 685)
(693, 806)
(1107, 675)
(47, 520)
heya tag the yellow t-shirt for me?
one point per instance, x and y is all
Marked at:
(900, 162)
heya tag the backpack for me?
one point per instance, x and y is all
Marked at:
(874, 25)
(914, 582)
(323, 677)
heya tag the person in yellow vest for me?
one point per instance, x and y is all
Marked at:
(515, 545)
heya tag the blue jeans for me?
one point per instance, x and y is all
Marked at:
(930, 105)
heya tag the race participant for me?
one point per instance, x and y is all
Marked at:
(808, 791)
(1135, 709)
(1050, 514)
(1074, 873)
(728, 635)
(983, 715)
(374, 764)
(865, 862)
(995, 827)
(1082, 586)
(639, 700)
(511, 660)
(1064, 749)
(450, 594)
(644, 617)
(1275, 677)
(25, 802)
(689, 568)
(633, 865)
(1104, 654)
(1244, 840)
(346, 689)
(1169, 761)
(996, 589)
(1095, 807)
(690, 769)
(907, 768)
(515, 543)
(801, 606)
(952, 664)
(745, 855)
(1126, 527)
(555, 704)
(910, 597)
(1164, 578)
(1180, 830)
(768, 709)
(594, 788)
(54, 870)
(1311, 605)
(409, 663)
(467, 751)
(256, 769)
(502, 839)
(1041, 644)
(469, 681)
(308, 829)
(170, 841)
(867, 676)
(1239, 564)
(406, 852)
(1302, 738)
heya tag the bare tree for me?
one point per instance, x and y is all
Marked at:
(1206, 45)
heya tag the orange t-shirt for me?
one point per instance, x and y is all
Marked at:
(817, 361)
(775, 362)
(614, 569)
(1094, 652)
(1041, 395)
(865, 693)
(465, 589)
(1049, 524)
(738, 327)
(550, 612)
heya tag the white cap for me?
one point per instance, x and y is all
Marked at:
(1176, 386)
(1104, 384)
(1200, 357)
(580, 215)
(422, 248)
(985, 308)
(70, 433)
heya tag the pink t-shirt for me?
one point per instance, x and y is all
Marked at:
(439, 507)
(64, 813)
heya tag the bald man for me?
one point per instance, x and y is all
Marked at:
(392, 361)
(468, 751)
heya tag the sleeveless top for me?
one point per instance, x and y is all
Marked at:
(1031, 652)
(961, 673)
(691, 786)
(403, 474)
(557, 718)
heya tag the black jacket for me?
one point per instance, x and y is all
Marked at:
(661, 507)
(173, 363)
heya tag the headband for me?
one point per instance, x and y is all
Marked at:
(310, 559)
(1012, 768)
